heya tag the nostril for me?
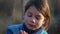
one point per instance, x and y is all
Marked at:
(33, 21)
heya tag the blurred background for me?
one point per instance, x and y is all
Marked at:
(11, 12)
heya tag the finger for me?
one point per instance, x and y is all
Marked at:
(21, 32)
(25, 32)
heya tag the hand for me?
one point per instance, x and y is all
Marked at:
(22, 32)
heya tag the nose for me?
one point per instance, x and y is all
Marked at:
(33, 20)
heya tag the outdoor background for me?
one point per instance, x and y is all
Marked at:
(11, 13)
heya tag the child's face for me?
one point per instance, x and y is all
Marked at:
(33, 18)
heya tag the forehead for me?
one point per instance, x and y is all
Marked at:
(33, 10)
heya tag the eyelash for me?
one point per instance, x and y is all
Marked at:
(29, 15)
(37, 18)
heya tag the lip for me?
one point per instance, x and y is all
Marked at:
(31, 25)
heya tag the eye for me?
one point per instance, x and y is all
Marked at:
(38, 17)
(29, 15)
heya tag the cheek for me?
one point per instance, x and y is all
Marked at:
(40, 23)
(26, 19)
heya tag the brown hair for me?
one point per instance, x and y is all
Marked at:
(43, 7)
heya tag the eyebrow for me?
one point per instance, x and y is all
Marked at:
(29, 12)
(38, 15)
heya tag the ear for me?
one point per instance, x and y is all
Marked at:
(45, 19)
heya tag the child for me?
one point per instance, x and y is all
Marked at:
(36, 19)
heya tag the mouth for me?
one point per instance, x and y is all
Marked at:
(32, 25)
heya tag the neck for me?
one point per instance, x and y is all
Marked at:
(31, 31)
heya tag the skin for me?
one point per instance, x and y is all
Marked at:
(33, 18)
(22, 32)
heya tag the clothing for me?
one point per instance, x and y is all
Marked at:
(14, 29)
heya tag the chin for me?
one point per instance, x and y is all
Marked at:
(32, 28)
